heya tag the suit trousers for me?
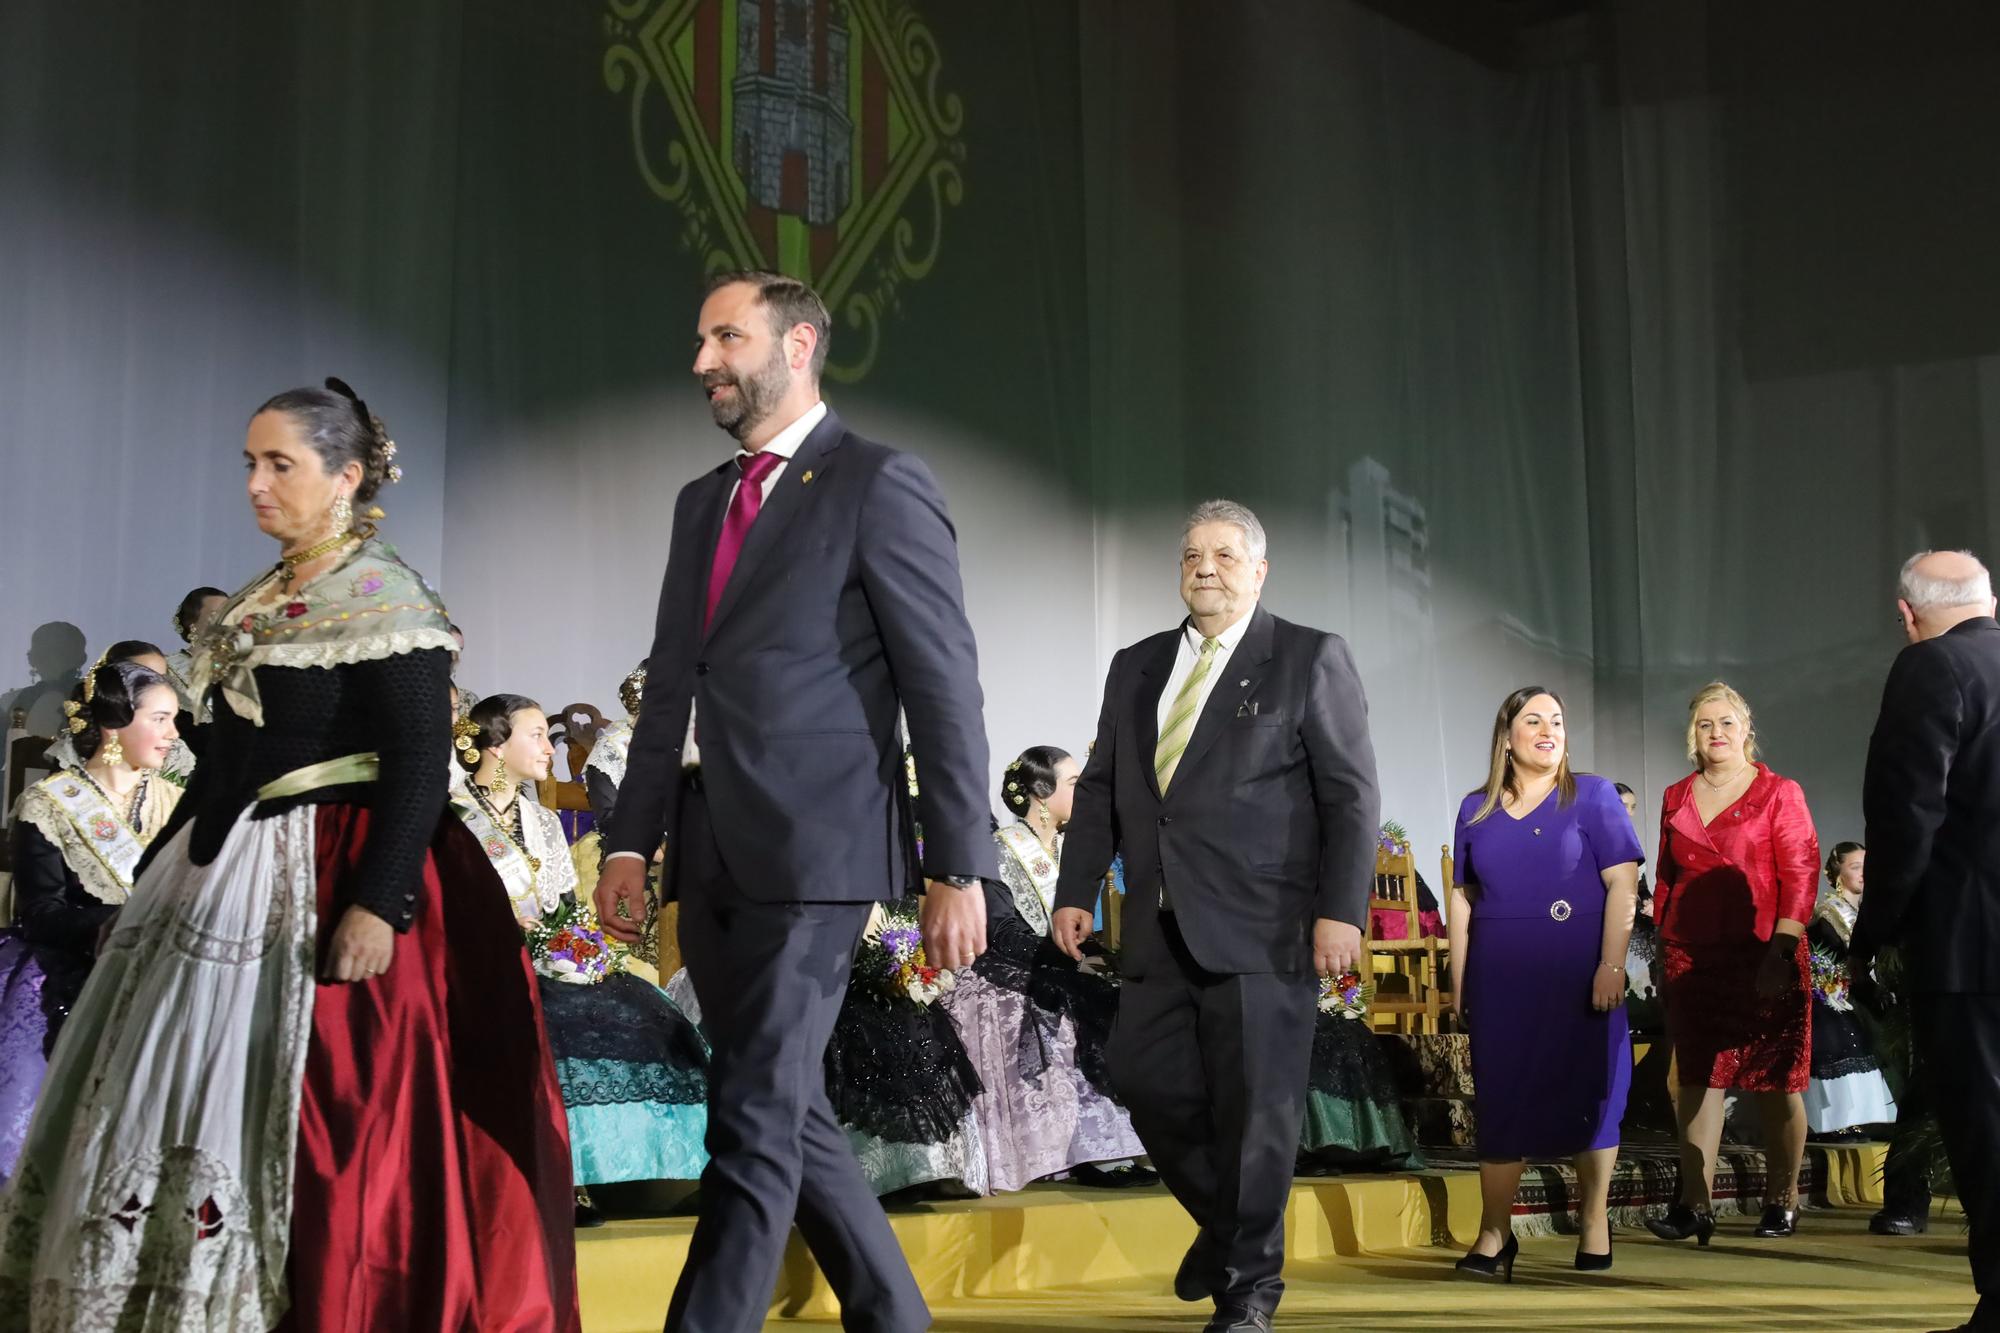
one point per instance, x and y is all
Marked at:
(1959, 1059)
(1213, 1069)
(770, 977)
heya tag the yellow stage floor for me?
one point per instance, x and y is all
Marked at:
(1363, 1253)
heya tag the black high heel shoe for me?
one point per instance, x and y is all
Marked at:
(1681, 1222)
(1488, 1266)
(1586, 1262)
(1778, 1222)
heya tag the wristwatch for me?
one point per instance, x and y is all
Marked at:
(959, 881)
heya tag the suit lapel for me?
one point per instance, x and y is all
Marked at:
(1239, 677)
(1153, 673)
(791, 494)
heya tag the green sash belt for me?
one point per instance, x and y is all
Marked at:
(341, 772)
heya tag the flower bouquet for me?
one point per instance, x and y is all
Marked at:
(1829, 977)
(1345, 996)
(568, 945)
(892, 956)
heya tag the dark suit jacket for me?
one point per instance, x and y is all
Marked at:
(844, 604)
(1932, 800)
(1271, 818)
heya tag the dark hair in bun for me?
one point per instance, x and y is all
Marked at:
(1031, 778)
(116, 688)
(494, 718)
(126, 649)
(190, 609)
(341, 430)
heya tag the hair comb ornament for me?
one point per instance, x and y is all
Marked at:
(463, 734)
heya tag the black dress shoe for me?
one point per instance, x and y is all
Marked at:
(587, 1214)
(1129, 1176)
(1194, 1280)
(1886, 1223)
(1586, 1262)
(1238, 1319)
(1489, 1266)
(1683, 1221)
(1777, 1222)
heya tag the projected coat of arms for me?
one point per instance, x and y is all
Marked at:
(806, 136)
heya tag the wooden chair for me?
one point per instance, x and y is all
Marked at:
(1405, 971)
(573, 731)
(24, 765)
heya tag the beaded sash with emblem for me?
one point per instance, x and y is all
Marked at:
(537, 869)
(96, 843)
(1035, 888)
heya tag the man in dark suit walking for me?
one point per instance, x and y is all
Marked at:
(812, 594)
(1233, 771)
(1931, 795)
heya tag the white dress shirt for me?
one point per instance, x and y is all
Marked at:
(783, 445)
(1189, 653)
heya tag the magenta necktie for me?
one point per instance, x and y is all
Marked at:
(743, 507)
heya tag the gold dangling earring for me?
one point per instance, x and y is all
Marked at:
(341, 515)
(112, 751)
(502, 786)
(1048, 820)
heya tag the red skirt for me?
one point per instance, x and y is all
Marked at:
(1724, 1034)
(433, 1178)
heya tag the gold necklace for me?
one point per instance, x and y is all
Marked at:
(1723, 786)
(500, 822)
(290, 563)
(130, 816)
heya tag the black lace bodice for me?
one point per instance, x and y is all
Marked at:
(399, 707)
(51, 906)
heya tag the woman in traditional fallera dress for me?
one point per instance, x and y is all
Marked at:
(1354, 1116)
(1848, 1089)
(631, 1065)
(603, 775)
(1547, 864)
(180, 760)
(77, 838)
(1032, 1021)
(306, 1084)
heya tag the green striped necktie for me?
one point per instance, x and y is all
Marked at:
(1180, 718)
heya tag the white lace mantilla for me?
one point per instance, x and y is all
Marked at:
(538, 871)
(610, 752)
(154, 1193)
(96, 843)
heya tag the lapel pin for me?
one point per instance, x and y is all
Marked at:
(806, 480)
(1242, 684)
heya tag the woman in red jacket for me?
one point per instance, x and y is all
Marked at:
(1737, 870)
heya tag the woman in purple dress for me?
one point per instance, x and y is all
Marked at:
(1547, 867)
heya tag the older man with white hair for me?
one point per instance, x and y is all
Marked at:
(1234, 773)
(1932, 800)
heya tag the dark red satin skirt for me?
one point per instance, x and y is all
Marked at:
(433, 1186)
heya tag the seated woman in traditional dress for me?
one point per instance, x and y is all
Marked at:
(1354, 1116)
(603, 774)
(179, 765)
(632, 1066)
(77, 837)
(1033, 1023)
(1847, 1089)
(306, 1084)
